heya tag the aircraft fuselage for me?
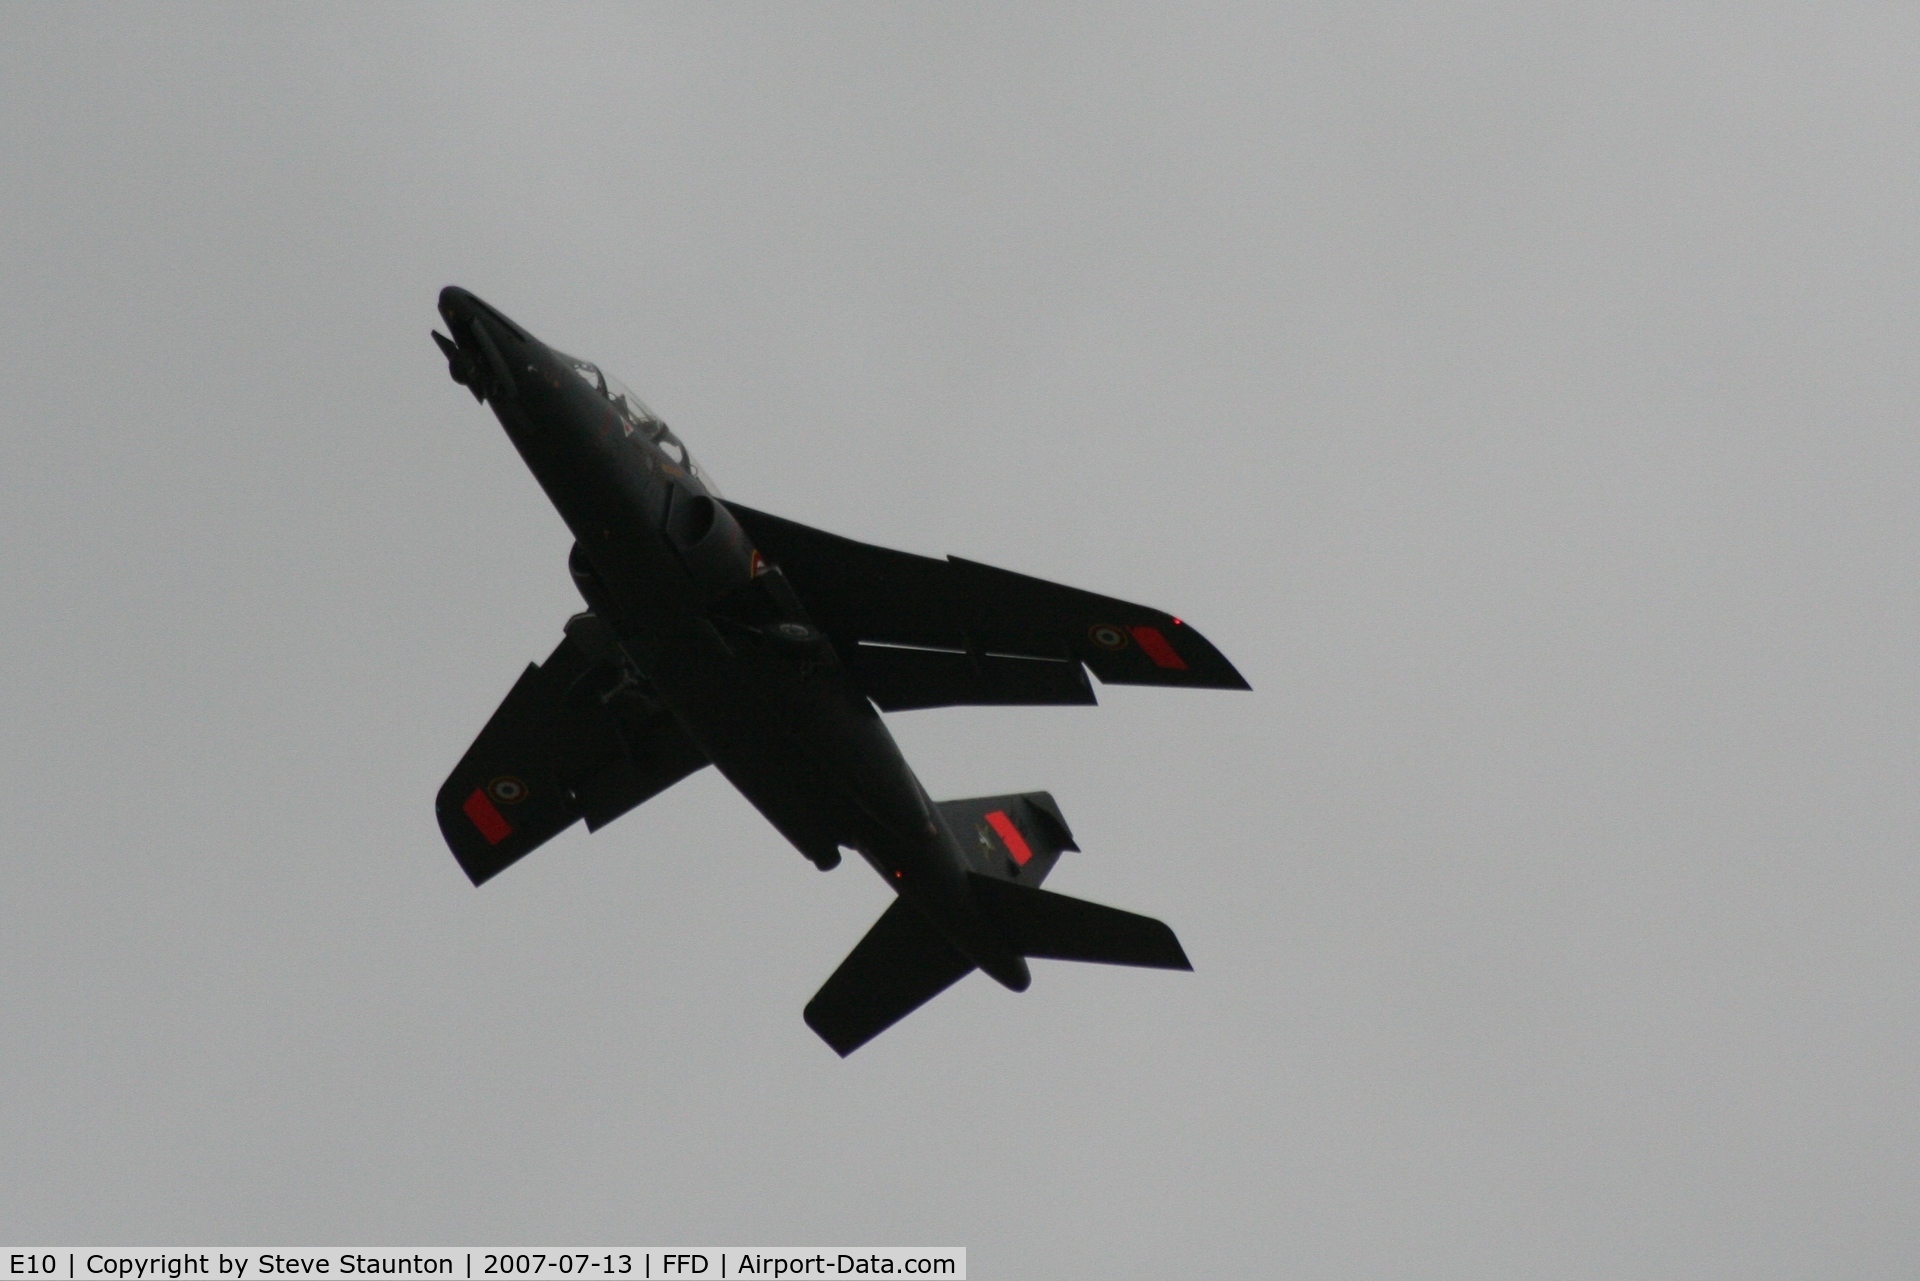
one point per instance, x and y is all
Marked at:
(717, 635)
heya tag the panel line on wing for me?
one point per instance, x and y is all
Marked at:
(916, 649)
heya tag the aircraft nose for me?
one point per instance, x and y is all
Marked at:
(459, 307)
(479, 333)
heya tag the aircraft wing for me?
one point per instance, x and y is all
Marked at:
(577, 737)
(920, 632)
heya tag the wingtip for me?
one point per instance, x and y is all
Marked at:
(841, 1046)
(1176, 958)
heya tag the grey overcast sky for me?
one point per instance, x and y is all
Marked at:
(1521, 395)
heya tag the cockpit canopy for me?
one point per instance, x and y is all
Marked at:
(638, 418)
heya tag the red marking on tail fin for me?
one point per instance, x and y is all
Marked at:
(1156, 647)
(1016, 843)
(485, 817)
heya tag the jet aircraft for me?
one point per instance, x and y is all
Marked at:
(717, 634)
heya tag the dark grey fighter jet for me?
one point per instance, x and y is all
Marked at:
(716, 634)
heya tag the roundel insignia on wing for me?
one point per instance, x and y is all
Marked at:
(1107, 636)
(507, 790)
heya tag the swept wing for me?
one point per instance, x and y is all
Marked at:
(921, 632)
(578, 737)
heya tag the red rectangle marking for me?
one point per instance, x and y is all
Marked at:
(486, 817)
(1016, 843)
(1156, 647)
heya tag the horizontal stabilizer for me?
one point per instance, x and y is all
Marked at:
(1016, 838)
(900, 965)
(1044, 924)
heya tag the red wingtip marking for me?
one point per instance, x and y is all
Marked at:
(486, 817)
(1156, 647)
(1016, 843)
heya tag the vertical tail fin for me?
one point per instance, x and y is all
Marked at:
(1011, 838)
